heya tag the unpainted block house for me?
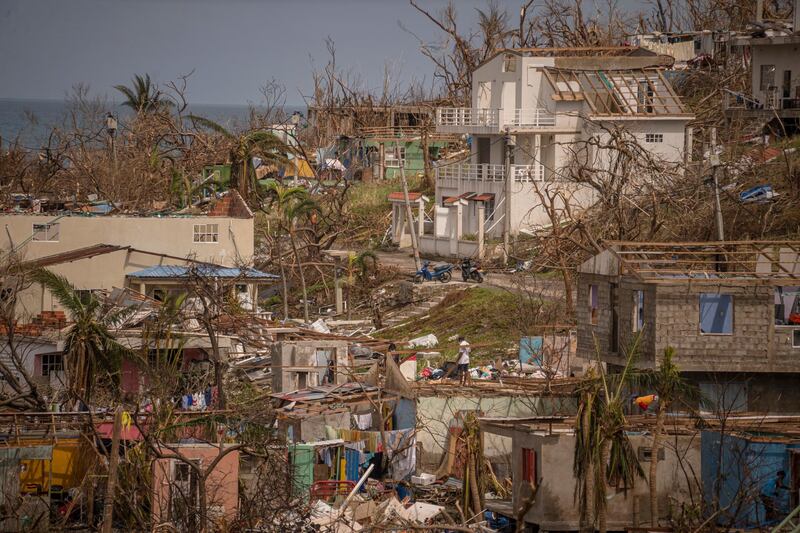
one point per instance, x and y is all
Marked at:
(729, 309)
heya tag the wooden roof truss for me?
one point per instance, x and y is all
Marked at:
(725, 262)
(628, 92)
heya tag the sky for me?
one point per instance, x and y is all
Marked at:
(233, 47)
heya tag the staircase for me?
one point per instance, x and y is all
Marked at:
(423, 297)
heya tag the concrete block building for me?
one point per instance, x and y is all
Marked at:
(729, 309)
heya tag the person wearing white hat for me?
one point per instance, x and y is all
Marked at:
(463, 359)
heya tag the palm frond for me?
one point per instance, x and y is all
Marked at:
(211, 125)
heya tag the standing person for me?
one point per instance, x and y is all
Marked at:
(463, 359)
(771, 496)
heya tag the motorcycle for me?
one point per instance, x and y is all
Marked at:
(471, 270)
(441, 273)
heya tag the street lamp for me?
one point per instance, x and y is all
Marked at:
(111, 128)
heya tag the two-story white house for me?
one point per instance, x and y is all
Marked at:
(541, 102)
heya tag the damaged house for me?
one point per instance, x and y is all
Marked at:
(536, 108)
(731, 311)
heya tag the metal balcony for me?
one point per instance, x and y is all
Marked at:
(453, 174)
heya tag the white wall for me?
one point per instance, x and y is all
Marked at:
(784, 57)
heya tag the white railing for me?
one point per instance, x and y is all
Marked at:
(531, 118)
(467, 116)
(484, 172)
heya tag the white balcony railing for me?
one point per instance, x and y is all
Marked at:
(467, 116)
(531, 118)
(450, 175)
(498, 119)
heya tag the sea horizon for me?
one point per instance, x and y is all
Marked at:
(29, 121)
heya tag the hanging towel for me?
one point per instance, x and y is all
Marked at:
(363, 422)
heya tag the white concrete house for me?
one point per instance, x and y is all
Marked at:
(541, 102)
(774, 66)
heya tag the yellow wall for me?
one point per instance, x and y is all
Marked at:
(68, 466)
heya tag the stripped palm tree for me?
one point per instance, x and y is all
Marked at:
(291, 204)
(668, 384)
(143, 96)
(91, 353)
(244, 147)
(603, 452)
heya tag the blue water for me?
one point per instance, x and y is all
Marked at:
(30, 121)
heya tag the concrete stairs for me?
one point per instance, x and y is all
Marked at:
(425, 296)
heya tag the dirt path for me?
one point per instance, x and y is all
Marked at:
(551, 289)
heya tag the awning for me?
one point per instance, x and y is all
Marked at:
(484, 197)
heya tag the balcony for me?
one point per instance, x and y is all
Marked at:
(454, 175)
(483, 120)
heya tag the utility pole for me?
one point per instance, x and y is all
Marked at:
(509, 145)
(714, 161)
(113, 463)
(409, 215)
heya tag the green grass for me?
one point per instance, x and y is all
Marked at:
(484, 316)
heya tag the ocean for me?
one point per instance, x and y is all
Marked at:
(30, 121)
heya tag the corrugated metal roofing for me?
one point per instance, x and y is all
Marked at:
(177, 271)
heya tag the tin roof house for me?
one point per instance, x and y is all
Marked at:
(536, 106)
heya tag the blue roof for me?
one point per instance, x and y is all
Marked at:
(212, 271)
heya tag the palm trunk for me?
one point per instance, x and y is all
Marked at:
(654, 463)
(285, 287)
(302, 276)
(602, 526)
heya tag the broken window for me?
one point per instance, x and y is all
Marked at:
(529, 465)
(638, 311)
(787, 306)
(593, 304)
(716, 314)
(46, 232)
(767, 77)
(206, 233)
(654, 137)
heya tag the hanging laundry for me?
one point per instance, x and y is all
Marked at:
(363, 422)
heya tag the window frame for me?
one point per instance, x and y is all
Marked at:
(594, 304)
(653, 138)
(638, 311)
(392, 159)
(51, 362)
(205, 233)
(700, 314)
(509, 63)
(762, 82)
(48, 233)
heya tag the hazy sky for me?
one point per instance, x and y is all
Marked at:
(233, 46)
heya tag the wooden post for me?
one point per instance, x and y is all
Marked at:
(113, 463)
(410, 216)
(481, 228)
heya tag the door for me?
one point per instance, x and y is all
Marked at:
(794, 478)
(484, 150)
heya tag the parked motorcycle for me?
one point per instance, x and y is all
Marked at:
(442, 273)
(471, 270)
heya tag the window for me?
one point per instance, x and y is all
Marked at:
(787, 306)
(509, 63)
(767, 77)
(646, 454)
(796, 338)
(394, 157)
(593, 304)
(638, 311)
(529, 465)
(206, 233)
(716, 314)
(488, 209)
(654, 137)
(51, 362)
(46, 232)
